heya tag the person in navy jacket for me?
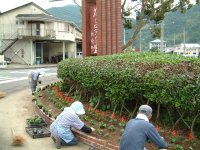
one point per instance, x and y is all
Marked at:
(139, 130)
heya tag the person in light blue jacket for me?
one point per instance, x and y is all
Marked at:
(33, 76)
(61, 128)
(139, 130)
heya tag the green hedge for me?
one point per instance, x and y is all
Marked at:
(165, 79)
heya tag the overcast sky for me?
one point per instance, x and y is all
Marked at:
(45, 4)
(10, 4)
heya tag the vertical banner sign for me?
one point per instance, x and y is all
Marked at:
(93, 29)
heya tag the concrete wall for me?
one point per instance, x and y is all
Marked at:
(20, 52)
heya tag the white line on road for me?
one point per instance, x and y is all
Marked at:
(23, 78)
(5, 78)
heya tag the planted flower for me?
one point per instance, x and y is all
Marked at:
(122, 122)
(92, 122)
(84, 117)
(112, 128)
(102, 125)
(113, 119)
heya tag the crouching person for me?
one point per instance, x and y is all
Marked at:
(139, 130)
(33, 76)
(61, 128)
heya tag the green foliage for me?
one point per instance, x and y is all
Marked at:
(112, 128)
(121, 132)
(165, 79)
(93, 101)
(35, 120)
(84, 117)
(178, 147)
(122, 124)
(102, 125)
(92, 122)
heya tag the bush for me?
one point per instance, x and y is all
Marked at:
(166, 80)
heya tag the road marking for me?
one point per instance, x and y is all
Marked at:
(18, 72)
(13, 80)
(5, 78)
(23, 78)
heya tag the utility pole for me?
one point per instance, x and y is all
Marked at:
(140, 42)
(174, 35)
(124, 36)
(174, 39)
(162, 36)
(184, 39)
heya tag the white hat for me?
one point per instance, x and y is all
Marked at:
(145, 109)
(78, 108)
(41, 72)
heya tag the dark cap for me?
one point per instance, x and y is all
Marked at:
(145, 109)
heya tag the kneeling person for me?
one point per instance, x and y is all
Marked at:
(61, 127)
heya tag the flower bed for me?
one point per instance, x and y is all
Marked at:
(107, 124)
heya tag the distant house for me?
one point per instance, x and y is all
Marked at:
(188, 49)
(156, 44)
(30, 35)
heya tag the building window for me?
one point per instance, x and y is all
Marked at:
(17, 22)
(22, 53)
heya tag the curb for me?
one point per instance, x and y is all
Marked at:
(28, 67)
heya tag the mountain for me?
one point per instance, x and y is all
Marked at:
(175, 23)
(69, 13)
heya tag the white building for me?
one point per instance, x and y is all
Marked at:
(188, 49)
(30, 35)
(156, 44)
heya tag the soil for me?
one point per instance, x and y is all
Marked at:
(114, 136)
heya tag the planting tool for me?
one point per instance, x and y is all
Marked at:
(17, 140)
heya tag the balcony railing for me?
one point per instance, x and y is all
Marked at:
(35, 33)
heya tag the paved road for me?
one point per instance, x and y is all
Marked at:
(15, 80)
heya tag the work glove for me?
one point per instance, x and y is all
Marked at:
(93, 129)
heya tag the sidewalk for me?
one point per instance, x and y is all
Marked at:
(14, 110)
(21, 66)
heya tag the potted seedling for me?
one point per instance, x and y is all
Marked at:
(35, 121)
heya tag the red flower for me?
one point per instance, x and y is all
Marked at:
(113, 116)
(71, 99)
(102, 114)
(61, 94)
(190, 136)
(66, 98)
(96, 111)
(174, 133)
(157, 128)
(122, 119)
(90, 108)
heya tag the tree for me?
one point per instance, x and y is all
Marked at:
(151, 10)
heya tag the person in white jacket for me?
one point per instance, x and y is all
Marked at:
(61, 128)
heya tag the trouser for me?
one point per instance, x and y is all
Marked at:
(33, 85)
(71, 143)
